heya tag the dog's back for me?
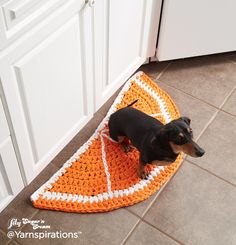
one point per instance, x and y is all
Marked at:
(132, 123)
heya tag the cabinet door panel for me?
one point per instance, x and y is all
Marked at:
(51, 88)
(125, 34)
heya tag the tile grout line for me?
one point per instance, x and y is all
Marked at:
(149, 206)
(215, 114)
(3, 232)
(138, 223)
(130, 232)
(157, 194)
(18, 243)
(141, 218)
(208, 171)
(36, 211)
(199, 99)
(10, 239)
(163, 70)
(145, 221)
(207, 125)
(161, 189)
(227, 97)
(222, 110)
(132, 212)
(182, 91)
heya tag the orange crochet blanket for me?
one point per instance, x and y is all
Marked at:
(100, 177)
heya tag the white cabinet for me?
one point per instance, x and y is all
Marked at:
(47, 86)
(16, 17)
(10, 178)
(125, 33)
(4, 131)
(193, 28)
(59, 71)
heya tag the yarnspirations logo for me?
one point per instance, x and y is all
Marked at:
(39, 228)
(43, 235)
(15, 224)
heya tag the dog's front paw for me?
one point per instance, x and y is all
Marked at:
(143, 175)
(125, 147)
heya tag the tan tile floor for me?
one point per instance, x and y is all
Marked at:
(198, 205)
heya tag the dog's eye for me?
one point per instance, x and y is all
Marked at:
(180, 139)
(181, 135)
(189, 130)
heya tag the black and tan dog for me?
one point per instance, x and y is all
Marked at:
(157, 143)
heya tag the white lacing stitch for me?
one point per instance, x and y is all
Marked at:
(100, 197)
(155, 115)
(160, 101)
(109, 138)
(104, 160)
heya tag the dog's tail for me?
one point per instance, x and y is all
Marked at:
(132, 103)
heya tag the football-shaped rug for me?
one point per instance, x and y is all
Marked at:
(101, 177)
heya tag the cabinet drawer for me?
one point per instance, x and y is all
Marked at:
(4, 131)
(19, 11)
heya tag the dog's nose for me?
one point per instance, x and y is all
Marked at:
(200, 152)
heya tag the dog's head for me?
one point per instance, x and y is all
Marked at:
(179, 135)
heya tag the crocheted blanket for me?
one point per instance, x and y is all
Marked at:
(101, 177)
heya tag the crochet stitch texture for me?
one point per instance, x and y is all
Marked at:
(100, 177)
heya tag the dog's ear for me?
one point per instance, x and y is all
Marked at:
(154, 141)
(161, 137)
(186, 119)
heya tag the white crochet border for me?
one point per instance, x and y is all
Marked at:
(110, 194)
